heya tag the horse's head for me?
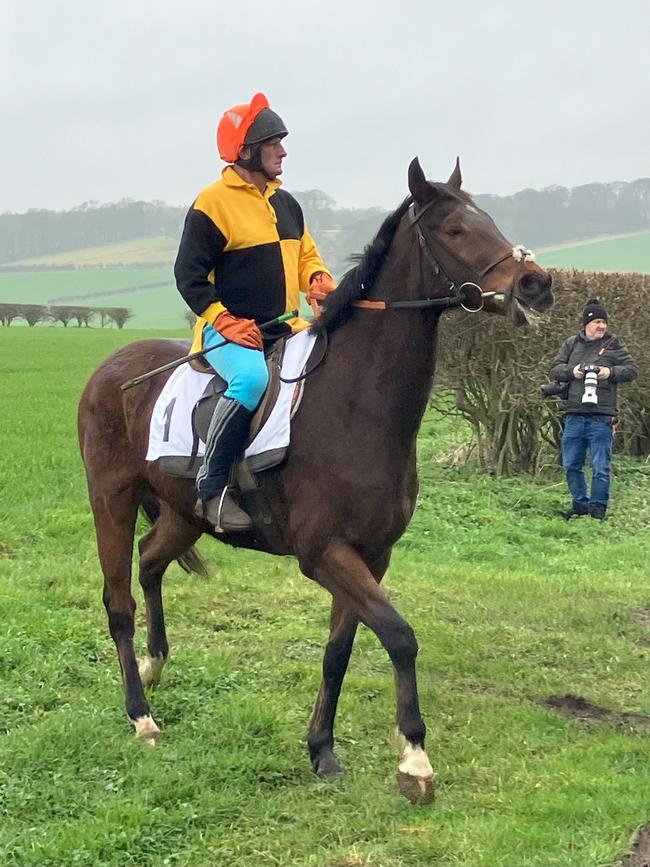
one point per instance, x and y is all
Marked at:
(460, 242)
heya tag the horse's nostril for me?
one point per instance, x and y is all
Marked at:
(535, 290)
(538, 281)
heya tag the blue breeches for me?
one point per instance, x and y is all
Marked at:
(243, 369)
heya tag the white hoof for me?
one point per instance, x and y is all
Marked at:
(146, 729)
(415, 774)
(150, 669)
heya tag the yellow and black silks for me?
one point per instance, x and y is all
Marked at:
(246, 252)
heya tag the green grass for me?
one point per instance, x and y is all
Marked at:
(510, 603)
(150, 293)
(160, 306)
(136, 251)
(625, 253)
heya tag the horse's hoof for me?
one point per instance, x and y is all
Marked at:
(415, 774)
(150, 669)
(147, 730)
(327, 765)
(419, 790)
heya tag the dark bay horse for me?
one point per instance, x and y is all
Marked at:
(347, 489)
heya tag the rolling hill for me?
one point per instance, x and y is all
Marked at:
(153, 250)
(138, 274)
(621, 253)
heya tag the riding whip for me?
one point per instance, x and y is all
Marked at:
(177, 363)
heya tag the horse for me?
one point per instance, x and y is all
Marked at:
(347, 489)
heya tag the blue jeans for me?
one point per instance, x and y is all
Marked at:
(243, 369)
(595, 434)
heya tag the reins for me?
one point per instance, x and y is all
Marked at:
(468, 295)
(309, 370)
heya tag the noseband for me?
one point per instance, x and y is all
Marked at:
(468, 295)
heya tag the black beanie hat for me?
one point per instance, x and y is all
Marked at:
(593, 310)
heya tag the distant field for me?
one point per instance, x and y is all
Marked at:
(136, 251)
(151, 293)
(623, 253)
(620, 253)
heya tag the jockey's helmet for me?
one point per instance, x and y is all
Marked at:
(247, 124)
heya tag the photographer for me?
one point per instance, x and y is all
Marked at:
(591, 363)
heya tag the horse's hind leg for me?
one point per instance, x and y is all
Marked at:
(342, 571)
(170, 537)
(343, 628)
(115, 510)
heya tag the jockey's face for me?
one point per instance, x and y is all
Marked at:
(272, 153)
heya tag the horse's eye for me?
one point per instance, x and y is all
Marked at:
(453, 230)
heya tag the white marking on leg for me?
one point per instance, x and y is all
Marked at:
(414, 761)
(415, 774)
(146, 729)
(150, 668)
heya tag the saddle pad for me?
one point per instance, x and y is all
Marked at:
(170, 429)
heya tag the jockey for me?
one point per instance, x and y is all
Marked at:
(244, 256)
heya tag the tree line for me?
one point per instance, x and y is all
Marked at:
(35, 313)
(538, 217)
(557, 214)
(40, 232)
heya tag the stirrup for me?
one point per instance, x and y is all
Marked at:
(212, 512)
(217, 527)
(201, 510)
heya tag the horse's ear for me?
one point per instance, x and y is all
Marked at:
(417, 182)
(455, 178)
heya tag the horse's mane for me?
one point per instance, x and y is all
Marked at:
(357, 282)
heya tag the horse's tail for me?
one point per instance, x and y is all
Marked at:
(190, 560)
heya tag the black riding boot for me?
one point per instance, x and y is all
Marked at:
(225, 440)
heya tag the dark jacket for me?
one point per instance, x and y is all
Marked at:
(609, 351)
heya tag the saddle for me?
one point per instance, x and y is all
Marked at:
(279, 404)
(187, 468)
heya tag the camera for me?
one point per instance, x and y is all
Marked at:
(591, 382)
(555, 389)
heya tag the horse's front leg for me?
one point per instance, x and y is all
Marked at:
(342, 571)
(343, 628)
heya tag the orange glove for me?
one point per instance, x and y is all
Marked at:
(242, 331)
(320, 286)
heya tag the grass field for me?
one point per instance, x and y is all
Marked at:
(628, 252)
(510, 603)
(150, 292)
(160, 306)
(156, 249)
(624, 253)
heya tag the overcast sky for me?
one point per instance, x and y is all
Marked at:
(120, 98)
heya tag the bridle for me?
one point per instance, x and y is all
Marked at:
(459, 296)
(468, 295)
